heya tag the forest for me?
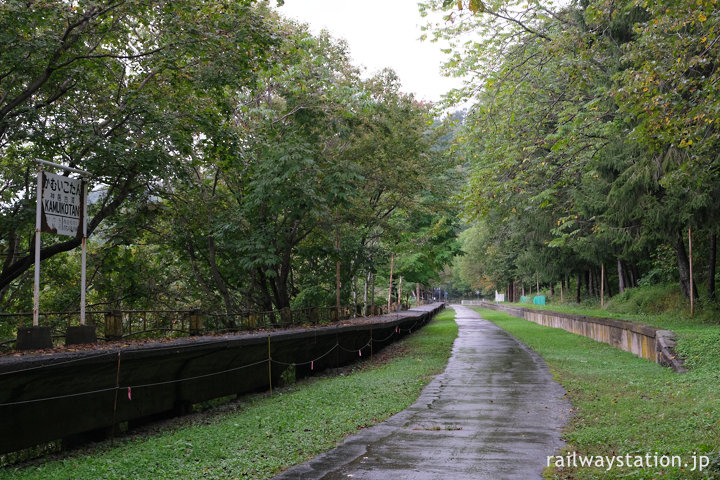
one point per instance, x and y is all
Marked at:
(237, 162)
(591, 144)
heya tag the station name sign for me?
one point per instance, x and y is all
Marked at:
(62, 207)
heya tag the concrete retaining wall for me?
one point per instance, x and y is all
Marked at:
(646, 342)
(86, 394)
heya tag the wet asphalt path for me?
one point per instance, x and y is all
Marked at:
(495, 413)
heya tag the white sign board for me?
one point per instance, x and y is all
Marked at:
(61, 204)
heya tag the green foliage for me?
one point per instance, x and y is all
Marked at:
(651, 299)
(230, 149)
(593, 132)
(120, 91)
(262, 435)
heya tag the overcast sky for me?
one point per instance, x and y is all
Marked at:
(380, 33)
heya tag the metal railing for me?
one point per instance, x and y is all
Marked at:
(118, 324)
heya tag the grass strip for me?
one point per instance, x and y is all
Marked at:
(268, 434)
(626, 405)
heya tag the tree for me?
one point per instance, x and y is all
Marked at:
(590, 119)
(113, 90)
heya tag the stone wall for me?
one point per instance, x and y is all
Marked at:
(646, 342)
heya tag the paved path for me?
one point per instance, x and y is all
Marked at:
(495, 413)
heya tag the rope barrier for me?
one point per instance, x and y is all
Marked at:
(409, 330)
(47, 365)
(196, 377)
(58, 397)
(145, 385)
(117, 386)
(309, 362)
(353, 349)
(386, 338)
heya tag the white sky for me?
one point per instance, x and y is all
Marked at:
(380, 34)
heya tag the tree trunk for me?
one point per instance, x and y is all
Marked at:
(562, 281)
(683, 266)
(608, 290)
(217, 276)
(621, 280)
(399, 307)
(628, 276)
(372, 291)
(577, 288)
(283, 283)
(190, 249)
(265, 301)
(711, 266)
(337, 275)
(602, 285)
(365, 294)
(353, 284)
(12, 249)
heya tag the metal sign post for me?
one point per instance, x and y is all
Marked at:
(61, 206)
(83, 254)
(38, 226)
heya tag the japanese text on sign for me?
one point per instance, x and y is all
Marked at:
(61, 204)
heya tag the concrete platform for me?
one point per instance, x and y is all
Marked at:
(495, 413)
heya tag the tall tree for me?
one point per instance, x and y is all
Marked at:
(112, 89)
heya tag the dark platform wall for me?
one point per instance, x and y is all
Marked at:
(50, 397)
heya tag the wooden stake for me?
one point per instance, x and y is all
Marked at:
(392, 264)
(269, 367)
(692, 296)
(602, 285)
(371, 344)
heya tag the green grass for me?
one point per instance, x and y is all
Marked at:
(268, 434)
(626, 405)
(661, 305)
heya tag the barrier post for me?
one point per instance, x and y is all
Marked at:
(113, 325)
(196, 322)
(269, 366)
